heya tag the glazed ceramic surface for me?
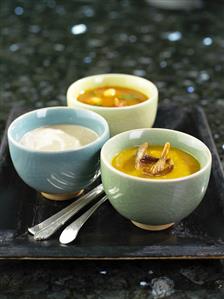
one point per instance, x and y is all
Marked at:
(148, 201)
(123, 118)
(57, 172)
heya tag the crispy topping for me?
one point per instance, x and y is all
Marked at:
(168, 167)
(140, 154)
(153, 166)
(149, 159)
(160, 165)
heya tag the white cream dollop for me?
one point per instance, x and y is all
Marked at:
(58, 138)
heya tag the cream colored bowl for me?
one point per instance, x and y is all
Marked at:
(120, 119)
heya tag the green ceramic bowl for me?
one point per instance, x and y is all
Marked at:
(123, 118)
(155, 204)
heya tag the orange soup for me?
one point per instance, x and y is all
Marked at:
(183, 164)
(111, 96)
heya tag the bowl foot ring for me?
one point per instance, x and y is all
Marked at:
(152, 227)
(63, 196)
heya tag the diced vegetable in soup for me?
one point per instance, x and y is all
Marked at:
(112, 96)
(155, 162)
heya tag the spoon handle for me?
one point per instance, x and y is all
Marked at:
(51, 224)
(71, 231)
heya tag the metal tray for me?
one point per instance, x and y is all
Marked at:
(107, 235)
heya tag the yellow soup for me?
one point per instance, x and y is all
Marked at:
(184, 163)
(112, 96)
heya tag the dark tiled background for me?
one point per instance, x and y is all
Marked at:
(46, 45)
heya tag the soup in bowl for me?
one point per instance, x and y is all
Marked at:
(125, 101)
(155, 177)
(56, 150)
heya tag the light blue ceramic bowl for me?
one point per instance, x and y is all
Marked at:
(57, 174)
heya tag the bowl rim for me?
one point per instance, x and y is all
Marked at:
(152, 99)
(101, 137)
(163, 181)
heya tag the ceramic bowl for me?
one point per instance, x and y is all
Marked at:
(123, 118)
(155, 204)
(58, 175)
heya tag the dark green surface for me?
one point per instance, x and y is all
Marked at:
(181, 51)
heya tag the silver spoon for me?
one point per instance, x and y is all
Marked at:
(71, 231)
(46, 228)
